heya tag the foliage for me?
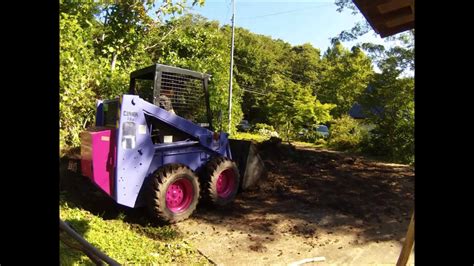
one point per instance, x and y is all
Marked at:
(320, 142)
(342, 4)
(393, 134)
(305, 64)
(262, 126)
(346, 134)
(311, 135)
(265, 130)
(100, 44)
(77, 80)
(258, 59)
(359, 29)
(344, 76)
(124, 25)
(250, 136)
(287, 87)
(193, 42)
(393, 99)
(293, 106)
(393, 93)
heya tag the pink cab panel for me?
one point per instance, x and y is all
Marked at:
(98, 149)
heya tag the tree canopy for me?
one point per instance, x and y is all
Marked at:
(285, 86)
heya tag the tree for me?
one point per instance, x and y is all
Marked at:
(393, 135)
(257, 58)
(293, 106)
(392, 94)
(359, 29)
(77, 79)
(343, 77)
(193, 42)
(305, 64)
(279, 82)
(100, 44)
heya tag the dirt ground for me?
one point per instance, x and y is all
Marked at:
(311, 203)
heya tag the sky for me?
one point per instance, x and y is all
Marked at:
(296, 22)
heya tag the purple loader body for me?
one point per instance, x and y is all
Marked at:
(137, 156)
(156, 147)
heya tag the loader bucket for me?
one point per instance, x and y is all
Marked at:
(251, 166)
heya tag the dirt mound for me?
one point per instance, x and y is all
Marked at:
(327, 179)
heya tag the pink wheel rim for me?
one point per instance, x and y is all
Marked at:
(225, 183)
(179, 195)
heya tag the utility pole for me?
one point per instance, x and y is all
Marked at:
(231, 65)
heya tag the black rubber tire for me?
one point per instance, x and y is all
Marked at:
(214, 167)
(157, 186)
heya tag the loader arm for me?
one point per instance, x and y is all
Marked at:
(203, 135)
(137, 154)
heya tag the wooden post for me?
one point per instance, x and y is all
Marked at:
(408, 245)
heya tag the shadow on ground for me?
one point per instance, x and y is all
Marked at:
(70, 249)
(77, 191)
(321, 191)
(317, 190)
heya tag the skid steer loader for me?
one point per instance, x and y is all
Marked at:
(156, 147)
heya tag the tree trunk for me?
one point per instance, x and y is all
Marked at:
(114, 59)
(288, 132)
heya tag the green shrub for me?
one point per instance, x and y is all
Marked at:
(265, 130)
(310, 135)
(320, 142)
(346, 134)
(397, 149)
(77, 80)
(249, 136)
(263, 126)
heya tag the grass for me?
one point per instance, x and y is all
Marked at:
(308, 144)
(319, 145)
(126, 243)
(249, 136)
(260, 138)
